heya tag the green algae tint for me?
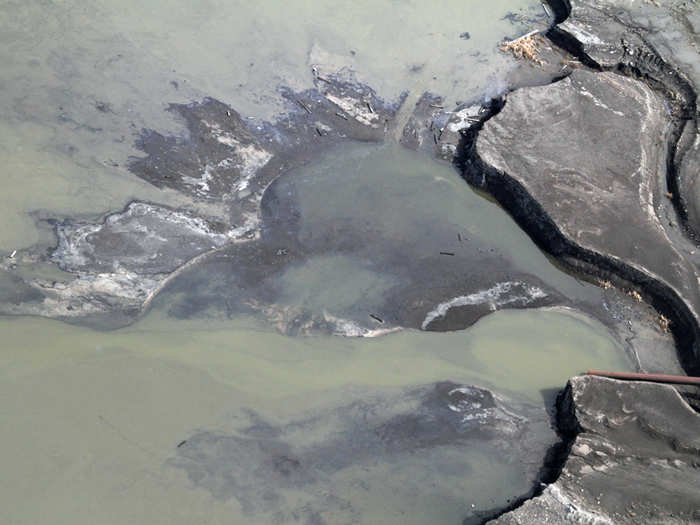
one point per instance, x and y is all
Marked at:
(91, 421)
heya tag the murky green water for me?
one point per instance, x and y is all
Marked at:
(150, 424)
(90, 421)
(80, 80)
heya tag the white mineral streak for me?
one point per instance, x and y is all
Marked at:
(582, 35)
(77, 297)
(582, 89)
(357, 109)
(348, 328)
(249, 158)
(463, 118)
(91, 292)
(573, 512)
(202, 183)
(495, 296)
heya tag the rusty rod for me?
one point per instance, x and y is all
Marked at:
(656, 378)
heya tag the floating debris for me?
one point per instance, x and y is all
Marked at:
(635, 294)
(306, 108)
(607, 285)
(377, 318)
(447, 253)
(546, 10)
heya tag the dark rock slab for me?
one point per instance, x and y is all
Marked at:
(657, 41)
(688, 186)
(580, 163)
(634, 459)
(662, 34)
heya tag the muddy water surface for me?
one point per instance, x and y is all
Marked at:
(80, 81)
(91, 422)
(204, 414)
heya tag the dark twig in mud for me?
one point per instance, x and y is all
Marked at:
(377, 318)
(447, 253)
(527, 47)
(341, 115)
(320, 133)
(369, 106)
(546, 11)
(306, 108)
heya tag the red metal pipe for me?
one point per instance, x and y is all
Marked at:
(657, 378)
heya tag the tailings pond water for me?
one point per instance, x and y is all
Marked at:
(244, 394)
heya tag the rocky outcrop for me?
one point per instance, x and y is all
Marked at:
(659, 43)
(595, 166)
(634, 458)
(580, 164)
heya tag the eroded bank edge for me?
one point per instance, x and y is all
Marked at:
(531, 216)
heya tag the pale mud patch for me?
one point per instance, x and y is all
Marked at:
(248, 159)
(121, 262)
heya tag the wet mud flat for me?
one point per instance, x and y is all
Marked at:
(314, 224)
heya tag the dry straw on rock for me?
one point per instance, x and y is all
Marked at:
(527, 47)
